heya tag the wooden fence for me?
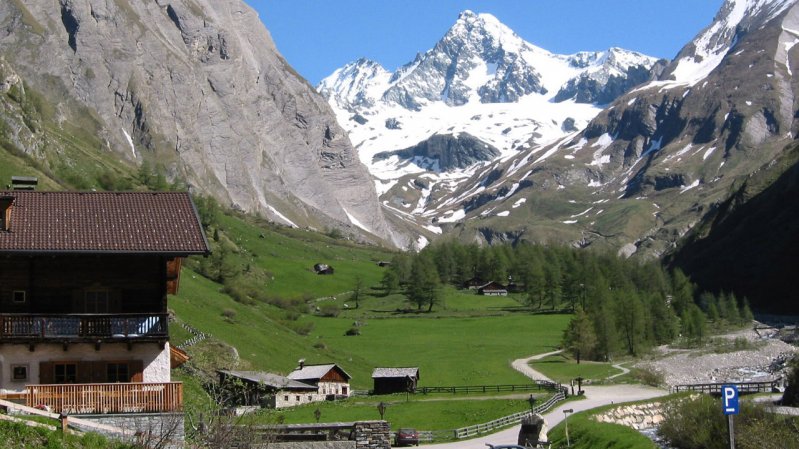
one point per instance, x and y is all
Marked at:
(516, 418)
(537, 386)
(107, 398)
(715, 388)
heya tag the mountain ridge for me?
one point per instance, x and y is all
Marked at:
(198, 88)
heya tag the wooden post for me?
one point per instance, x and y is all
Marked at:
(64, 423)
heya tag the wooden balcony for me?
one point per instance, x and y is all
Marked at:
(83, 327)
(107, 398)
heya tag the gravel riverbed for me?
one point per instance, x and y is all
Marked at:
(762, 361)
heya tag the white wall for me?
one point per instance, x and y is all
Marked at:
(156, 360)
(289, 398)
(334, 388)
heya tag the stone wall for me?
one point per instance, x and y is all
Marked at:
(314, 445)
(364, 434)
(372, 435)
(149, 427)
(638, 416)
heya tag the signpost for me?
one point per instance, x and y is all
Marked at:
(729, 405)
(566, 420)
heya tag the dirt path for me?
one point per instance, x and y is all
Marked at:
(523, 365)
(623, 371)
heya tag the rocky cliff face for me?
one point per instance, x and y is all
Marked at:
(198, 86)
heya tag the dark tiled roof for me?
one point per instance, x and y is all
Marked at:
(271, 380)
(103, 222)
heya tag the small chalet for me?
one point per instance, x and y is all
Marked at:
(267, 389)
(330, 380)
(84, 279)
(474, 283)
(395, 380)
(493, 289)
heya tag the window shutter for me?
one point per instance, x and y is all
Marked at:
(136, 371)
(46, 373)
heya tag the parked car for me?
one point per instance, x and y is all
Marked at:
(506, 446)
(407, 437)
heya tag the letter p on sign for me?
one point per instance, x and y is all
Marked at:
(729, 397)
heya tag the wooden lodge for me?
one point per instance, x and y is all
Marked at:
(84, 279)
(395, 380)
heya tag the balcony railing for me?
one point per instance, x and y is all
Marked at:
(89, 327)
(107, 398)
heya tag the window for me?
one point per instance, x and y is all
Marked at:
(66, 373)
(298, 398)
(18, 296)
(96, 301)
(286, 398)
(310, 398)
(19, 372)
(117, 372)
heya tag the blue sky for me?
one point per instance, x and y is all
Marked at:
(318, 36)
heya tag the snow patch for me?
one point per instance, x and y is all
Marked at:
(355, 221)
(453, 216)
(519, 202)
(282, 217)
(503, 213)
(684, 189)
(130, 142)
(582, 213)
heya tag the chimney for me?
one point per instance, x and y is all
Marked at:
(301, 362)
(6, 205)
(24, 182)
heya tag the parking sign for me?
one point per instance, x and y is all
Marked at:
(729, 399)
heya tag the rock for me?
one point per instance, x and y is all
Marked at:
(200, 88)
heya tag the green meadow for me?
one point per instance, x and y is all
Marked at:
(563, 369)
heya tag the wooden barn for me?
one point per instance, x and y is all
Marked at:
(395, 380)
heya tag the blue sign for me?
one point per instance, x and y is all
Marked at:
(729, 398)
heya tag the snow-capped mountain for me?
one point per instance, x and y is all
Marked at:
(661, 158)
(480, 83)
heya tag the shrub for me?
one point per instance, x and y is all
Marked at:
(329, 310)
(352, 331)
(229, 315)
(697, 423)
(300, 328)
(649, 376)
(791, 395)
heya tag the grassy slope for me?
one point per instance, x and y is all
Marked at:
(14, 435)
(289, 255)
(585, 433)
